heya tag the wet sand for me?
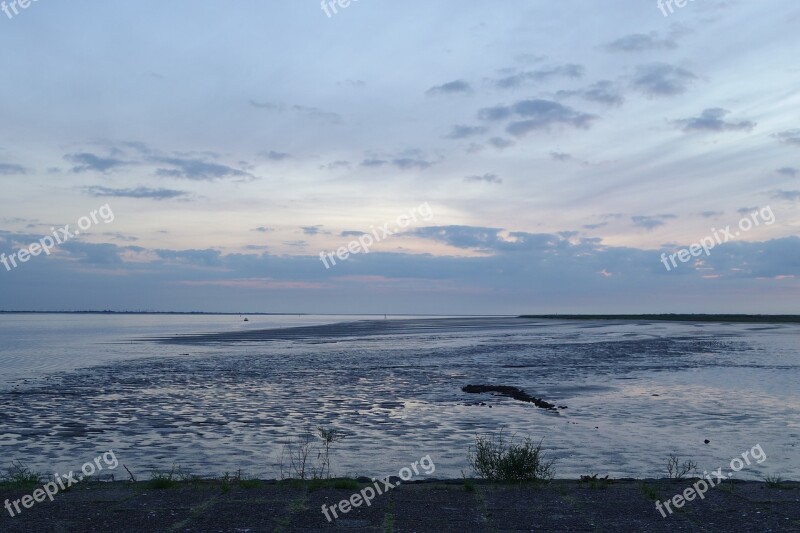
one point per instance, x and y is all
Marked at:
(360, 329)
(635, 393)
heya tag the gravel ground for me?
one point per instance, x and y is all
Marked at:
(624, 505)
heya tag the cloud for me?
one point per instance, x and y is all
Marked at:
(462, 132)
(335, 165)
(207, 257)
(193, 166)
(792, 196)
(541, 75)
(481, 238)
(516, 265)
(712, 119)
(453, 87)
(641, 42)
(560, 156)
(120, 237)
(603, 92)
(538, 114)
(257, 284)
(276, 156)
(495, 113)
(661, 79)
(407, 160)
(788, 171)
(263, 229)
(651, 222)
(312, 230)
(91, 253)
(8, 169)
(529, 58)
(486, 178)
(86, 162)
(138, 192)
(595, 226)
(310, 112)
(410, 163)
(352, 83)
(351, 233)
(711, 214)
(498, 241)
(267, 105)
(500, 143)
(197, 169)
(318, 114)
(789, 137)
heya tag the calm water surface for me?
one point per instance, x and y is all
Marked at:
(76, 385)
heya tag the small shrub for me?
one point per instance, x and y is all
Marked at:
(497, 459)
(676, 469)
(163, 480)
(19, 476)
(774, 482)
(250, 483)
(298, 453)
(469, 485)
(649, 492)
(329, 436)
(595, 482)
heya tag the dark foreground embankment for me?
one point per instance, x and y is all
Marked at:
(626, 505)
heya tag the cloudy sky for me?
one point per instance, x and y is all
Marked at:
(557, 149)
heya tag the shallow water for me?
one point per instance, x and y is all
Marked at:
(635, 392)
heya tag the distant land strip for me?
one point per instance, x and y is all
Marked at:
(764, 319)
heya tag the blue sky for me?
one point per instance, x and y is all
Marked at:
(561, 146)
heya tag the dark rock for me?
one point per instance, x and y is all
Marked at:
(511, 392)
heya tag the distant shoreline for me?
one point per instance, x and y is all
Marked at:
(755, 319)
(662, 317)
(208, 313)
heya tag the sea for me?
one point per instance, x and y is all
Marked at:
(215, 394)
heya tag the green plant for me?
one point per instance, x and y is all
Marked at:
(676, 469)
(225, 482)
(497, 459)
(593, 477)
(328, 436)
(774, 481)
(250, 483)
(388, 518)
(649, 492)
(469, 485)
(19, 476)
(298, 453)
(595, 482)
(164, 480)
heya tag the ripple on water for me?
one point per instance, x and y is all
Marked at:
(628, 389)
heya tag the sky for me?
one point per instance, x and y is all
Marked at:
(445, 157)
